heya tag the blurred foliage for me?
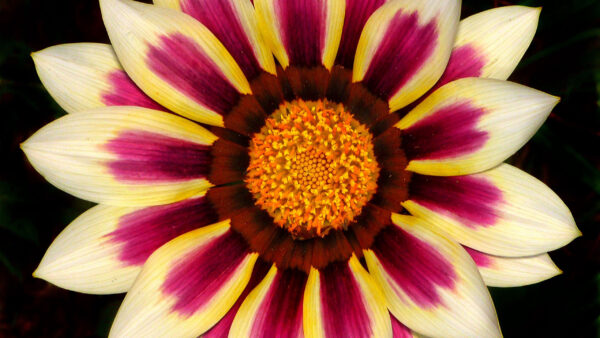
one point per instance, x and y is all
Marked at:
(564, 60)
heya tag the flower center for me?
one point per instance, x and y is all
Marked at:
(312, 167)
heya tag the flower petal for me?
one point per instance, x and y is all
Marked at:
(343, 300)
(400, 330)
(126, 156)
(174, 59)
(222, 328)
(404, 48)
(513, 271)
(103, 250)
(187, 285)
(273, 308)
(357, 14)
(302, 32)
(431, 283)
(490, 44)
(503, 211)
(234, 23)
(81, 76)
(472, 124)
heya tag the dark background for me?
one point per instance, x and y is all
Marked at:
(563, 60)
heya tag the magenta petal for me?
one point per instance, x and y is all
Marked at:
(464, 61)
(481, 259)
(344, 313)
(402, 52)
(182, 63)
(196, 278)
(219, 16)
(470, 199)
(357, 14)
(303, 30)
(280, 312)
(124, 92)
(151, 157)
(414, 265)
(399, 330)
(145, 230)
(449, 132)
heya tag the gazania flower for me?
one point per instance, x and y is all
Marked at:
(350, 186)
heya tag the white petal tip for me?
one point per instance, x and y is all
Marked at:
(43, 55)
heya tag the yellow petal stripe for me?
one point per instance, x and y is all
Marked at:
(134, 28)
(311, 43)
(436, 20)
(234, 23)
(361, 313)
(273, 308)
(149, 311)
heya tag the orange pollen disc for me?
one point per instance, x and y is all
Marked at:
(312, 167)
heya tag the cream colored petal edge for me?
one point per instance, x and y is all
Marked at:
(83, 259)
(466, 309)
(501, 36)
(517, 271)
(530, 218)
(76, 74)
(512, 115)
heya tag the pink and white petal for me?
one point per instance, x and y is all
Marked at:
(431, 283)
(503, 211)
(471, 125)
(103, 250)
(187, 285)
(404, 48)
(357, 14)
(495, 39)
(81, 76)
(234, 23)
(175, 59)
(127, 156)
(343, 300)
(303, 32)
(273, 308)
(513, 271)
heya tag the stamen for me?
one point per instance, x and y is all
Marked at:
(312, 167)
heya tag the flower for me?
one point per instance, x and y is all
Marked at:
(352, 187)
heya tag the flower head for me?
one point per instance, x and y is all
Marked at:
(288, 168)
